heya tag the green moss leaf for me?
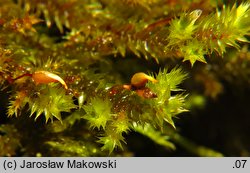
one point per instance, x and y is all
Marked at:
(69, 147)
(183, 28)
(193, 51)
(98, 112)
(165, 104)
(154, 135)
(51, 102)
(225, 27)
(110, 142)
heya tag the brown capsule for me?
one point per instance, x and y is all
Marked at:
(140, 79)
(45, 77)
(128, 87)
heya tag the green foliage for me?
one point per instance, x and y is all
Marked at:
(168, 105)
(183, 28)
(72, 147)
(154, 135)
(194, 148)
(195, 38)
(225, 28)
(172, 79)
(48, 101)
(98, 113)
(193, 51)
(51, 106)
(113, 115)
(111, 141)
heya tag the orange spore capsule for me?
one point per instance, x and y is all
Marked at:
(45, 77)
(140, 79)
(128, 87)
